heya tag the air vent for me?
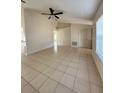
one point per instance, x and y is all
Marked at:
(74, 43)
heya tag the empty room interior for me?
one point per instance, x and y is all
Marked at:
(61, 46)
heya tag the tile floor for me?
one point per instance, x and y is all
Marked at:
(70, 70)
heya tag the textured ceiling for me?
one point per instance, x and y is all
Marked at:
(81, 9)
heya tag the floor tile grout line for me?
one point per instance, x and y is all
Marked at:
(37, 71)
(61, 83)
(49, 77)
(56, 69)
(30, 85)
(42, 84)
(75, 81)
(29, 73)
(57, 82)
(95, 84)
(50, 67)
(89, 77)
(56, 87)
(25, 81)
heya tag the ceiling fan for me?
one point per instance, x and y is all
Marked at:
(52, 13)
(23, 1)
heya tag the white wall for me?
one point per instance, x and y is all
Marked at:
(85, 38)
(23, 38)
(64, 36)
(82, 35)
(98, 62)
(22, 24)
(38, 30)
(62, 25)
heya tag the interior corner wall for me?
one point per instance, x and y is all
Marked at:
(98, 62)
(38, 30)
(82, 35)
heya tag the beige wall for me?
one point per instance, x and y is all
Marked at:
(64, 36)
(98, 62)
(82, 35)
(38, 30)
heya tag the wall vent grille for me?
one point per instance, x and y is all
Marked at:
(74, 43)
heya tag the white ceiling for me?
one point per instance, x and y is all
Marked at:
(81, 9)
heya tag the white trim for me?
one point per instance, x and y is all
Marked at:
(31, 52)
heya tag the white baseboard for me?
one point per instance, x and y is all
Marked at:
(31, 52)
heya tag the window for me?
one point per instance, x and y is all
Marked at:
(99, 38)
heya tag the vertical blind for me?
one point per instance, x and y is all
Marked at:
(99, 38)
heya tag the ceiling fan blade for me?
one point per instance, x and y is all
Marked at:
(58, 13)
(51, 10)
(23, 1)
(45, 14)
(56, 16)
(49, 17)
